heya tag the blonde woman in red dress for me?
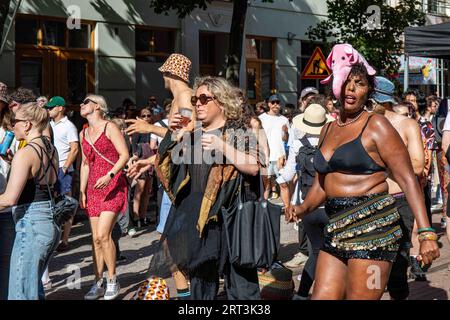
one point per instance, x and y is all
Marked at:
(103, 189)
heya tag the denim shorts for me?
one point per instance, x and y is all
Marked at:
(37, 237)
(64, 183)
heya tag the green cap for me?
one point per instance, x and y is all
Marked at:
(56, 101)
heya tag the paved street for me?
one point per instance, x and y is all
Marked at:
(139, 249)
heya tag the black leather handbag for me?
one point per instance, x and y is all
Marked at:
(64, 209)
(252, 230)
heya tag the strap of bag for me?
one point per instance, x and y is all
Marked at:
(86, 134)
(163, 124)
(304, 140)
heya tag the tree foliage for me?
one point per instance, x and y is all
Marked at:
(348, 22)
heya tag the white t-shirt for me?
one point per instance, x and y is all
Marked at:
(64, 132)
(447, 123)
(273, 127)
(154, 136)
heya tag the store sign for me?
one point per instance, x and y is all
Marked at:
(422, 71)
(316, 68)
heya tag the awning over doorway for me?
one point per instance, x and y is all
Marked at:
(428, 41)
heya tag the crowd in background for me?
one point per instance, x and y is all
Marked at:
(106, 160)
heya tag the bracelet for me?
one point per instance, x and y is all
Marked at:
(428, 236)
(422, 230)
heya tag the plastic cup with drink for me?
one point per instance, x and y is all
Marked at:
(186, 115)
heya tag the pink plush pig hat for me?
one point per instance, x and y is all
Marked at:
(340, 61)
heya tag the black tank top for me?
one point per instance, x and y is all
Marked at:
(351, 157)
(34, 191)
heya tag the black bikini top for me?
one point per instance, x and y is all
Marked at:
(351, 157)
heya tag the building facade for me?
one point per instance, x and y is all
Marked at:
(116, 47)
(119, 44)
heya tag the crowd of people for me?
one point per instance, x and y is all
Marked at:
(354, 176)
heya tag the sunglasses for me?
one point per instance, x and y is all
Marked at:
(204, 99)
(275, 102)
(152, 99)
(16, 121)
(146, 116)
(86, 101)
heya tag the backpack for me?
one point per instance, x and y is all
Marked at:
(305, 166)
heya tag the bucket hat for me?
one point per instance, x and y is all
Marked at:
(177, 65)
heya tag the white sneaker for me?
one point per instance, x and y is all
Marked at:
(96, 291)
(132, 232)
(112, 289)
(296, 261)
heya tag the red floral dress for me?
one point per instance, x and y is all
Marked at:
(113, 198)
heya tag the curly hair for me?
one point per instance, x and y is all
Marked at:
(23, 95)
(228, 96)
(360, 69)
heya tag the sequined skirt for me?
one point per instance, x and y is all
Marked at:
(366, 227)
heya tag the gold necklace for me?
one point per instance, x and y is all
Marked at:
(340, 124)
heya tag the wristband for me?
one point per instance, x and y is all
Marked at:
(422, 230)
(428, 236)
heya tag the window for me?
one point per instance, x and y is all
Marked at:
(80, 38)
(259, 49)
(212, 50)
(438, 7)
(43, 31)
(54, 60)
(154, 44)
(260, 58)
(27, 31)
(54, 33)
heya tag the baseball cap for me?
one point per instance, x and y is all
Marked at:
(56, 101)
(274, 97)
(307, 91)
(384, 91)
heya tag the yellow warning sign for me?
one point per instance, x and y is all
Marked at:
(316, 68)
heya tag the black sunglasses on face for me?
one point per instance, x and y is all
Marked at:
(86, 101)
(16, 121)
(204, 99)
(146, 116)
(275, 102)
